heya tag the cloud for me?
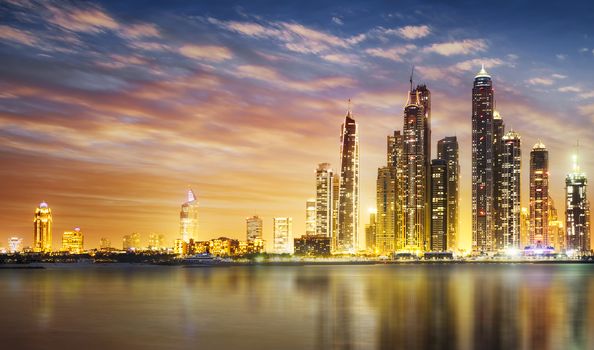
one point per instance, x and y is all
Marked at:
(561, 57)
(587, 95)
(142, 30)
(91, 20)
(206, 52)
(18, 36)
(271, 76)
(414, 32)
(342, 58)
(558, 76)
(584, 49)
(394, 53)
(337, 20)
(463, 47)
(540, 81)
(569, 89)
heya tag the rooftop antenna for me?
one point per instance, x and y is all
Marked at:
(412, 72)
(349, 112)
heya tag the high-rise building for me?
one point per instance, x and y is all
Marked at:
(386, 187)
(324, 200)
(539, 196)
(416, 235)
(42, 229)
(283, 235)
(510, 206)
(156, 241)
(395, 165)
(131, 242)
(425, 100)
(105, 244)
(73, 241)
(188, 218)
(253, 228)
(335, 205)
(483, 103)
(370, 231)
(498, 196)
(348, 211)
(15, 244)
(310, 217)
(524, 227)
(439, 205)
(577, 210)
(555, 229)
(447, 149)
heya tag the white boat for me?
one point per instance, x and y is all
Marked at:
(203, 259)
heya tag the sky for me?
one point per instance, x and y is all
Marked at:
(110, 110)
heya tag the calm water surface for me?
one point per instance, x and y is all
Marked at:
(314, 307)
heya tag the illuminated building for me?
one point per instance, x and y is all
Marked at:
(253, 228)
(313, 245)
(188, 218)
(395, 161)
(482, 162)
(324, 209)
(447, 149)
(524, 227)
(539, 195)
(555, 228)
(335, 201)
(386, 188)
(348, 201)
(439, 205)
(415, 207)
(156, 242)
(510, 161)
(370, 230)
(180, 247)
(42, 229)
(310, 217)
(15, 244)
(577, 210)
(223, 246)
(283, 235)
(105, 244)
(255, 246)
(73, 241)
(424, 96)
(498, 195)
(131, 242)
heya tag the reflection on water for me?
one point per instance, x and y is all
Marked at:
(317, 307)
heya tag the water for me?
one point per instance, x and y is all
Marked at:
(314, 307)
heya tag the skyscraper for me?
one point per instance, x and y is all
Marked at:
(447, 149)
(497, 218)
(482, 162)
(370, 230)
(156, 241)
(131, 242)
(73, 241)
(310, 217)
(385, 234)
(188, 218)
(510, 161)
(555, 229)
(425, 101)
(253, 228)
(283, 235)
(348, 211)
(577, 210)
(42, 229)
(439, 205)
(416, 235)
(324, 204)
(539, 195)
(14, 244)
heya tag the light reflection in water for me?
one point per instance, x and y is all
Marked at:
(318, 307)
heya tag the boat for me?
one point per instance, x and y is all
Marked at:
(198, 260)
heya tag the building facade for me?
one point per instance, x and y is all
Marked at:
(73, 241)
(348, 206)
(310, 217)
(370, 231)
(439, 205)
(324, 206)
(577, 211)
(188, 218)
(539, 196)
(386, 202)
(42, 229)
(253, 228)
(283, 235)
(447, 150)
(510, 206)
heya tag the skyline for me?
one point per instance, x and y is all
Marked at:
(137, 181)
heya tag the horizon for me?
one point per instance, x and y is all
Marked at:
(109, 115)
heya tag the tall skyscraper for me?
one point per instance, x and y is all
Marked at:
(253, 228)
(482, 162)
(386, 186)
(510, 161)
(324, 204)
(416, 235)
(73, 241)
(539, 196)
(498, 196)
(188, 218)
(577, 210)
(335, 206)
(348, 211)
(370, 231)
(447, 149)
(283, 235)
(310, 217)
(42, 229)
(425, 101)
(439, 205)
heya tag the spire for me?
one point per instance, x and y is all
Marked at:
(191, 195)
(539, 145)
(412, 72)
(576, 165)
(482, 73)
(349, 109)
